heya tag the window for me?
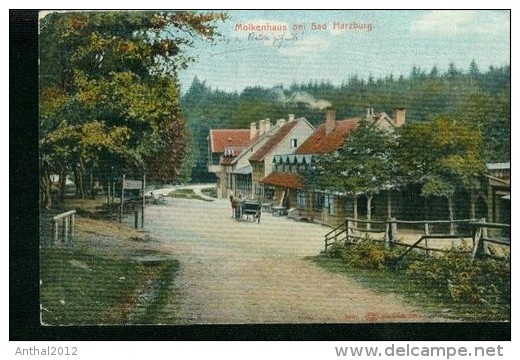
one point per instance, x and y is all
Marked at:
(301, 199)
(328, 203)
(269, 192)
(294, 143)
(318, 200)
(332, 205)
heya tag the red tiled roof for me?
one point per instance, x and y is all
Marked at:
(220, 139)
(282, 179)
(270, 144)
(319, 143)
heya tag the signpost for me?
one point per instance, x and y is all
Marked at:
(128, 184)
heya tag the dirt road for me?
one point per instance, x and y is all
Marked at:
(243, 272)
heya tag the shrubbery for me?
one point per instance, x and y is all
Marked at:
(483, 284)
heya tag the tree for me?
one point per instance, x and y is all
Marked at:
(473, 69)
(368, 161)
(444, 156)
(109, 95)
(364, 164)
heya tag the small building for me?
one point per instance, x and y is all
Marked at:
(223, 145)
(239, 171)
(497, 187)
(285, 141)
(319, 204)
(241, 158)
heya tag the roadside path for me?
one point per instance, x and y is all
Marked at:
(243, 272)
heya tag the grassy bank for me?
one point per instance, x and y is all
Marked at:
(186, 194)
(112, 275)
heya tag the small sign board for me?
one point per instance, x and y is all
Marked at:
(132, 184)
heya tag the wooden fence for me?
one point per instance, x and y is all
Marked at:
(350, 232)
(63, 228)
(482, 238)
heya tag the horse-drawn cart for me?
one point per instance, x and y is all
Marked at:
(250, 210)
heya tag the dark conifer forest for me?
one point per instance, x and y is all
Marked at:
(479, 98)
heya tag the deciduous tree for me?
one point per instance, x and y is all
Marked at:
(109, 91)
(444, 155)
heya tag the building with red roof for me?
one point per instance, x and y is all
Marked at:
(225, 145)
(285, 141)
(234, 153)
(285, 182)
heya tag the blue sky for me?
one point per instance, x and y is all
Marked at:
(382, 43)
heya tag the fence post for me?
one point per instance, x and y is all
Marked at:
(73, 223)
(426, 233)
(66, 229)
(387, 235)
(122, 198)
(347, 229)
(478, 243)
(144, 201)
(485, 245)
(55, 234)
(393, 230)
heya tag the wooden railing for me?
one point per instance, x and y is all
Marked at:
(336, 235)
(63, 228)
(350, 232)
(481, 239)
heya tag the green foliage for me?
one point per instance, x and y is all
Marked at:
(109, 95)
(444, 156)
(335, 250)
(363, 164)
(482, 283)
(366, 255)
(485, 285)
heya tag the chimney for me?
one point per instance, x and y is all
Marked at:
(330, 121)
(368, 112)
(254, 132)
(261, 126)
(291, 117)
(399, 116)
(280, 122)
(267, 124)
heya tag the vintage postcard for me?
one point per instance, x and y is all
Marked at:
(274, 167)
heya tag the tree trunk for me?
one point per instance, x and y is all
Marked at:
(79, 176)
(369, 209)
(91, 182)
(451, 214)
(472, 204)
(45, 185)
(389, 204)
(354, 200)
(63, 183)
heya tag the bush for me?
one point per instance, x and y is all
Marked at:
(369, 254)
(484, 284)
(335, 250)
(366, 254)
(453, 276)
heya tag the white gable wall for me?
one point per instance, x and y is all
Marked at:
(300, 132)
